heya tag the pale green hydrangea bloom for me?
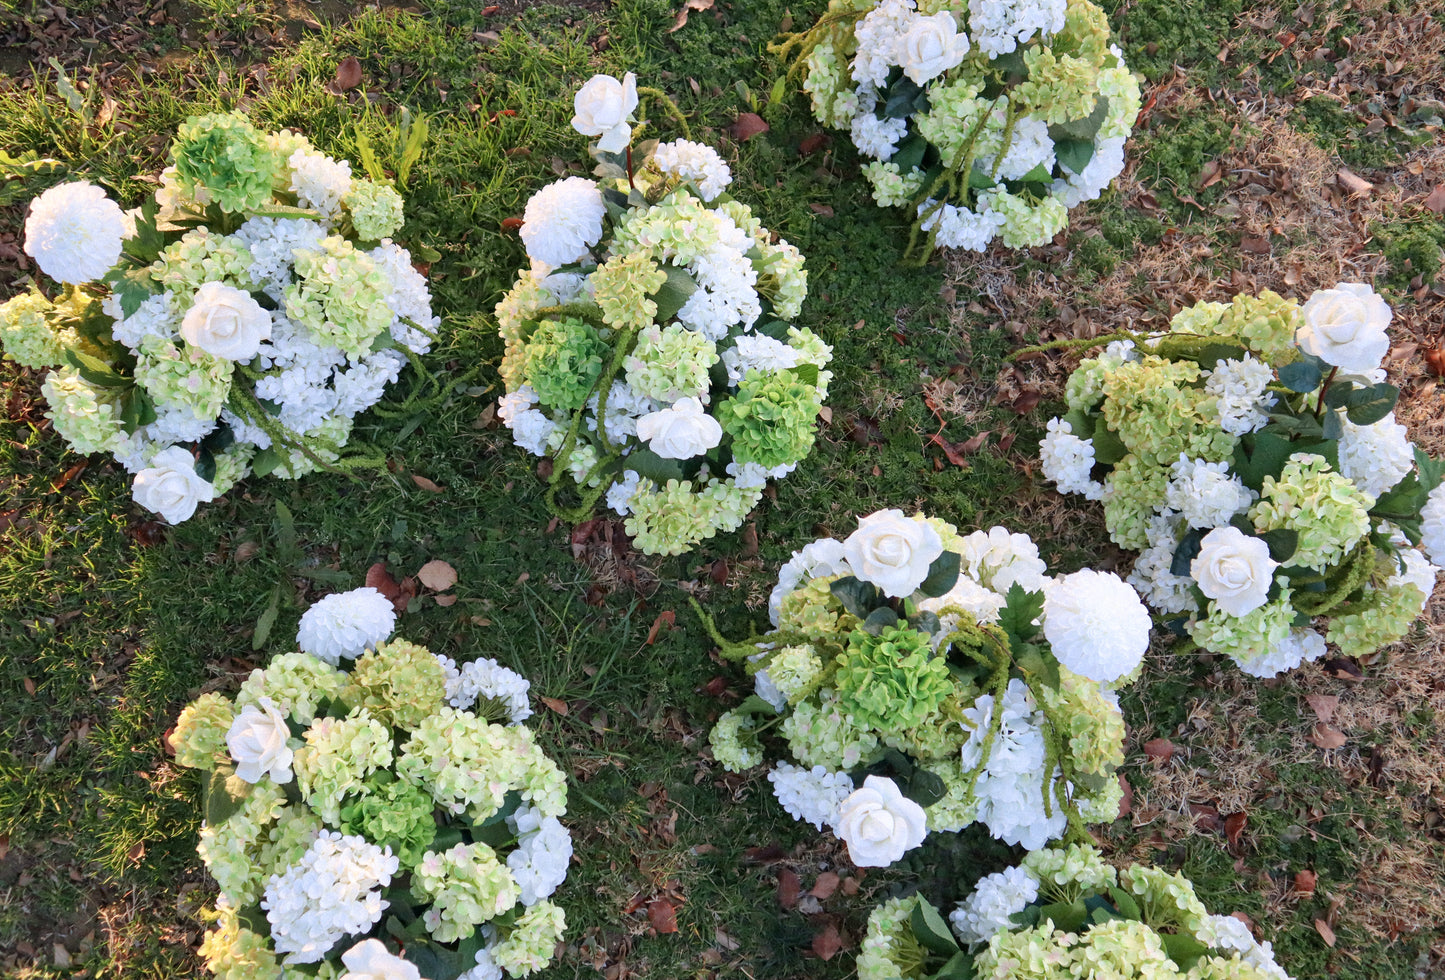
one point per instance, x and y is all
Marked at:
(1242, 637)
(1068, 872)
(446, 750)
(795, 671)
(542, 783)
(959, 806)
(735, 743)
(284, 841)
(889, 950)
(229, 850)
(954, 110)
(821, 733)
(1165, 899)
(623, 287)
(770, 418)
(1039, 953)
(185, 376)
(338, 756)
(201, 256)
(232, 466)
(1133, 492)
(515, 314)
(1384, 616)
(892, 188)
(1092, 725)
(670, 362)
(670, 519)
(1060, 87)
(1101, 805)
(1157, 413)
(528, 945)
(827, 82)
(233, 952)
(782, 277)
(942, 734)
(84, 415)
(26, 334)
(200, 734)
(813, 609)
(375, 209)
(325, 441)
(1026, 225)
(562, 361)
(680, 230)
(1121, 88)
(1329, 512)
(1121, 948)
(339, 295)
(1202, 319)
(226, 155)
(466, 887)
(400, 683)
(296, 683)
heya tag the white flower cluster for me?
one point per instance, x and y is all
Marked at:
(1206, 494)
(1069, 461)
(1229, 934)
(346, 624)
(812, 795)
(994, 901)
(485, 680)
(333, 891)
(1000, 26)
(544, 850)
(1010, 788)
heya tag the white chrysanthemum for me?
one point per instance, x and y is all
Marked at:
(878, 138)
(1096, 624)
(1225, 932)
(812, 795)
(1000, 26)
(74, 232)
(1069, 461)
(998, 559)
(318, 181)
(544, 850)
(484, 680)
(1375, 457)
(1241, 390)
(1432, 525)
(346, 624)
(1086, 185)
(695, 162)
(994, 900)
(817, 560)
(1300, 646)
(960, 227)
(1418, 571)
(563, 221)
(333, 891)
(1153, 576)
(1205, 493)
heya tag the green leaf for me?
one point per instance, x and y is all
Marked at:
(206, 465)
(909, 155)
(1186, 552)
(283, 211)
(1068, 916)
(1300, 376)
(254, 918)
(267, 620)
(925, 787)
(1432, 471)
(95, 371)
(1331, 427)
(1339, 393)
(925, 622)
(942, 575)
(1369, 405)
(224, 794)
(1082, 424)
(146, 244)
(673, 294)
(1020, 610)
(1267, 458)
(1305, 426)
(980, 180)
(806, 373)
(1034, 662)
(858, 597)
(132, 286)
(68, 91)
(931, 930)
(265, 462)
(1125, 903)
(1082, 129)
(1011, 63)
(1074, 155)
(1039, 175)
(1211, 354)
(879, 620)
(958, 967)
(651, 466)
(1184, 950)
(414, 133)
(900, 101)
(137, 409)
(754, 705)
(1108, 447)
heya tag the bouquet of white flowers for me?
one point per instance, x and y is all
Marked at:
(984, 118)
(394, 821)
(648, 352)
(234, 324)
(1063, 912)
(1251, 455)
(923, 681)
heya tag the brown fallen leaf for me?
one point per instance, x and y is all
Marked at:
(378, 578)
(1353, 182)
(556, 705)
(1326, 933)
(450, 599)
(1435, 358)
(809, 145)
(1234, 827)
(746, 126)
(1126, 805)
(1435, 201)
(662, 915)
(665, 619)
(1323, 705)
(681, 20)
(437, 575)
(425, 484)
(1304, 882)
(827, 943)
(826, 885)
(1160, 750)
(348, 76)
(29, 686)
(512, 224)
(1255, 246)
(771, 854)
(1327, 736)
(790, 886)
(822, 210)
(4, 845)
(136, 852)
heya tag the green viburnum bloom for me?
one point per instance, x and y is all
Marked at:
(670, 362)
(226, 155)
(1158, 415)
(770, 418)
(339, 295)
(891, 681)
(233, 952)
(399, 683)
(528, 945)
(200, 735)
(391, 813)
(466, 886)
(1266, 322)
(1060, 87)
(1329, 512)
(1165, 899)
(375, 209)
(1382, 616)
(890, 950)
(562, 361)
(734, 742)
(623, 288)
(1133, 493)
(1243, 637)
(26, 334)
(201, 256)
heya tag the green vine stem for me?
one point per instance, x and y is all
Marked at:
(668, 106)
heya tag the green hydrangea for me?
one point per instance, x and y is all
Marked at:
(892, 188)
(891, 681)
(729, 504)
(562, 362)
(1133, 492)
(226, 155)
(796, 672)
(889, 950)
(1267, 323)
(811, 349)
(1093, 726)
(339, 295)
(543, 783)
(84, 415)
(1085, 387)
(199, 257)
(813, 609)
(1065, 873)
(375, 209)
(1121, 948)
(200, 734)
(232, 466)
(669, 520)
(1382, 616)
(1101, 804)
(179, 375)
(680, 227)
(283, 843)
(770, 418)
(955, 108)
(466, 886)
(1329, 512)
(669, 363)
(1158, 414)
(942, 734)
(827, 82)
(391, 813)
(1201, 319)
(528, 945)
(1231, 967)
(623, 287)
(821, 733)
(229, 849)
(734, 742)
(1165, 899)
(233, 952)
(448, 749)
(515, 315)
(782, 277)
(339, 754)
(1059, 88)
(1244, 637)
(296, 683)
(1026, 225)
(1121, 88)
(399, 683)
(26, 333)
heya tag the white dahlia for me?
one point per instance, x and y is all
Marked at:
(346, 624)
(74, 232)
(1096, 625)
(562, 221)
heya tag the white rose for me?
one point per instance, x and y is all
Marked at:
(681, 432)
(1345, 327)
(892, 551)
(170, 486)
(257, 741)
(931, 47)
(1234, 569)
(370, 960)
(879, 824)
(603, 107)
(226, 322)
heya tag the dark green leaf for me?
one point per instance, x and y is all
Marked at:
(925, 622)
(1183, 949)
(206, 465)
(674, 294)
(924, 787)
(1339, 393)
(265, 462)
(879, 620)
(806, 373)
(958, 967)
(754, 705)
(1108, 447)
(909, 155)
(267, 620)
(1068, 916)
(858, 597)
(1039, 175)
(1330, 425)
(1300, 376)
(95, 371)
(900, 101)
(1267, 458)
(1082, 424)
(651, 466)
(777, 329)
(1186, 552)
(133, 286)
(1020, 610)
(1431, 471)
(1074, 155)
(146, 244)
(225, 793)
(1211, 354)
(1369, 405)
(942, 575)
(1125, 903)
(1082, 129)
(1011, 63)
(931, 930)
(980, 180)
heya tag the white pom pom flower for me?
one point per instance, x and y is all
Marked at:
(1096, 625)
(563, 221)
(346, 624)
(74, 232)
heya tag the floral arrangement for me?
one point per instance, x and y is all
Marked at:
(1251, 455)
(923, 681)
(234, 324)
(648, 350)
(985, 118)
(390, 822)
(1060, 913)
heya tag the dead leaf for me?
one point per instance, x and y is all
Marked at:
(348, 76)
(1324, 705)
(771, 854)
(1326, 933)
(1161, 750)
(1304, 882)
(556, 705)
(681, 21)
(826, 885)
(1027, 401)
(789, 887)
(1353, 182)
(1435, 358)
(378, 578)
(1327, 736)
(4, 845)
(449, 599)
(425, 484)
(29, 687)
(1436, 199)
(136, 852)
(245, 551)
(1126, 805)
(1343, 669)
(512, 224)
(1255, 246)
(746, 126)
(1233, 827)
(667, 618)
(437, 575)
(827, 943)
(662, 915)
(719, 571)
(812, 144)
(822, 210)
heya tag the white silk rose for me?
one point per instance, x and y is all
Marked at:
(931, 47)
(879, 824)
(603, 107)
(257, 742)
(892, 551)
(371, 960)
(226, 322)
(1234, 569)
(1345, 327)
(681, 432)
(170, 486)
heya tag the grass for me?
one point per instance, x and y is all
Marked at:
(114, 623)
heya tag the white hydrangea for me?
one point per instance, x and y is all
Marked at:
(1096, 625)
(1206, 494)
(1242, 392)
(969, 596)
(624, 407)
(818, 559)
(878, 138)
(1010, 788)
(695, 162)
(563, 221)
(74, 232)
(409, 299)
(960, 227)
(157, 316)
(1432, 525)
(333, 891)
(1086, 185)
(1300, 646)
(1069, 461)
(812, 795)
(997, 559)
(485, 679)
(318, 181)
(486, 966)
(994, 900)
(543, 853)
(1000, 26)
(1418, 571)
(878, 35)
(755, 351)
(1225, 932)
(346, 624)
(1029, 147)
(1153, 577)
(272, 243)
(620, 494)
(1375, 457)
(754, 476)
